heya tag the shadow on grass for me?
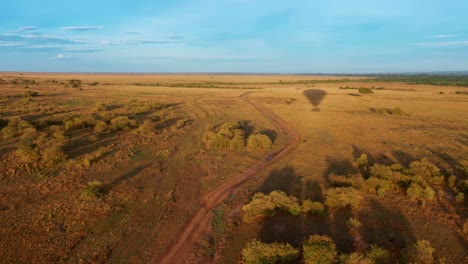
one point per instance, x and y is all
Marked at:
(126, 176)
(386, 227)
(315, 96)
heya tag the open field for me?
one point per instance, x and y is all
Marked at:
(151, 168)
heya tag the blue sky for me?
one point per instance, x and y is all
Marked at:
(333, 36)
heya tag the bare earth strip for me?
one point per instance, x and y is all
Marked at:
(201, 221)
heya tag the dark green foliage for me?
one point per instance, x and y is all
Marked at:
(431, 79)
(74, 83)
(319, 250)
(93, 189)
(343, 196)
(256, 252)
(365, 90)
(388, 111)
(265, 205)
(16, 126)
(259, 141)
(420, 252)
(30, 94)
(309, 206)
(378, 255)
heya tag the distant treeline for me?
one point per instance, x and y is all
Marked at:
(440, 80)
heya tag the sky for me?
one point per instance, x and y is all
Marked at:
(256, 36)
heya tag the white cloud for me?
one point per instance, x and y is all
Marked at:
(442, 36)
(462, 43)
(81, 28)
(26, 29)
(61, 57)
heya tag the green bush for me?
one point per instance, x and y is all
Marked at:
(343, 196)
(319, 250)
(28, 149)
(265, 205)
(227, 136)
(378, 255)
(418, 193)
(357, 258)
(379, 186)
(259, 141)
(362, 161)
(101, 127)
(53, 155)
(256, 252)
(354, 223)
(123, 123)
(419, 253)
(340, 181)
(16, 126)
(427, 171)
(93, 189)
(309, 206)
(79, 122)
(364, 90)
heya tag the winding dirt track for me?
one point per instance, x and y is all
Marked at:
(201, 221)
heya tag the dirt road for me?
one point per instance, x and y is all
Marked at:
(202, 219)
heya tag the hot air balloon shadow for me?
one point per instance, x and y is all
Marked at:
(315, 96)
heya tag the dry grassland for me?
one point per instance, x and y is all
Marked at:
(112, 170)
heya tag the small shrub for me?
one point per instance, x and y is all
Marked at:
(309, 206)
(257, 252)
(354, 223)
(460, 198)
(147, 126)
(259, 141)
(265, 205)
(319, 250)
(340, 181)
(357, 258)
(101, 127)
(364, 90)
(380, 186)
(53, 155)
(378, 255)
(101, 107)
(30, 94)
(362, 160)
(93, 189)
(343, 196)
(16, 126)
(123, 123)
(28, 149)
(420, 253)
(427, 171)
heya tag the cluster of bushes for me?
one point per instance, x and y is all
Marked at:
(44, 148)
(318, 249)
(231, 136)
(74, 83)
(387, 111)
(340, 197)
(258, 252)
(15, 127)
(144, 107)
(263, 205)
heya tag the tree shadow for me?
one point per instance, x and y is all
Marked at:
(284, 180)
(246, 127)
(402, 157)
(338, 166)
(315, 96)
(386, 227)
(270, 133)
(354, 94)
(131, 173)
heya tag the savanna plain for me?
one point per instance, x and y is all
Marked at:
(187, 168)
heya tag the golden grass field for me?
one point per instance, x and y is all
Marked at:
(153, 169)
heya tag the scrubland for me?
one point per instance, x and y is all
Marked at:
(112, 168)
